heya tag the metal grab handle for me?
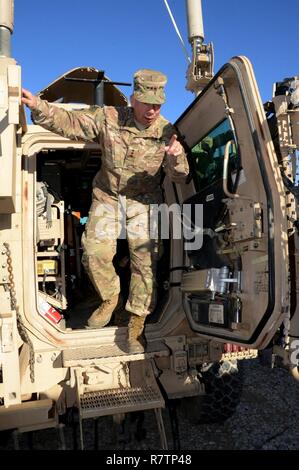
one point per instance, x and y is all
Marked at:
(225, 169)
(224, 176)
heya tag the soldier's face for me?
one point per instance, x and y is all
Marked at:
(145, 113)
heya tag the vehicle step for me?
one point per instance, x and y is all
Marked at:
(124, 400)
(81, 356)
(142, 395)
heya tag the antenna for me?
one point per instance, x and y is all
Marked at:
(200, 71)
(177, 31)
(6, 26)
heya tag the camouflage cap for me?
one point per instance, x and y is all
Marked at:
(149, 86)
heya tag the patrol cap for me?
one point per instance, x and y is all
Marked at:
(149, 86)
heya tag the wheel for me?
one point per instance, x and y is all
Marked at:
(223, 385)
(295, 372)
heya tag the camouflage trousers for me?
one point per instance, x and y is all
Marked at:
(109, 219)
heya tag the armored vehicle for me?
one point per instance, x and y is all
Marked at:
(224, 294)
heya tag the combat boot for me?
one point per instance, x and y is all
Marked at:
(102, 315)
(136, 342)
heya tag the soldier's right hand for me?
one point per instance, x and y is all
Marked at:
(28, 99)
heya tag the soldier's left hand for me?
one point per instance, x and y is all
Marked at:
(174, 147)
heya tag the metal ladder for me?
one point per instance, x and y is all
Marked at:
(119, 401)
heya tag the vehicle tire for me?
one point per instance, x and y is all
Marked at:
(223, 383)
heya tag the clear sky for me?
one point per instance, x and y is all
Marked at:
(121, 36)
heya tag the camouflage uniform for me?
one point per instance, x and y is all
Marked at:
(131, 169)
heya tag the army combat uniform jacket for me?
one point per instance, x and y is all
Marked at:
(132, 160)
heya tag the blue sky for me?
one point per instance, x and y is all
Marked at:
(121, 36)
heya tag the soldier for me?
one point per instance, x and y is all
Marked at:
(136, 142)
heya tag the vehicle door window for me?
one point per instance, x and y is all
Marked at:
(208, 154)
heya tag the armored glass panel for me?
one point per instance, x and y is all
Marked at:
(208, 155)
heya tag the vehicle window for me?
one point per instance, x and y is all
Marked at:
(208, 154)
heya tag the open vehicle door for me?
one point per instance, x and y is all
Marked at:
(237, 288)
